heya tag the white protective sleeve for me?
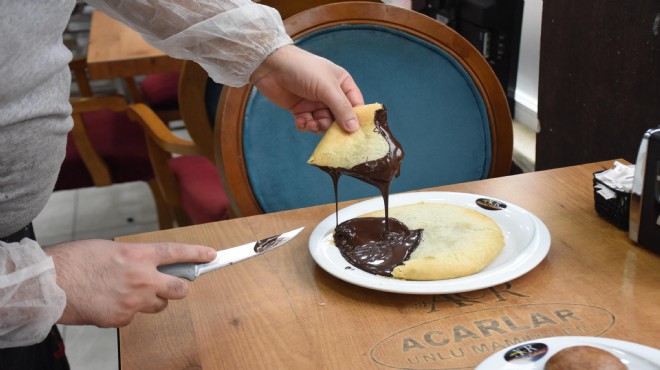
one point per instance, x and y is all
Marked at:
(30, 299)
(228, 38)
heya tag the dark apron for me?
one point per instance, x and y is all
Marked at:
(46, 355)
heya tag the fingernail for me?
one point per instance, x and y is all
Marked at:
(352, 124)
(210, 254)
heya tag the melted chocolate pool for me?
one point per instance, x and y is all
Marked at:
(365, 244)
(375, 244)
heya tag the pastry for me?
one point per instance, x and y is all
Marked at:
(584, 358)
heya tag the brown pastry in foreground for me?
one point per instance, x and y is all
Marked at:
(584, 358)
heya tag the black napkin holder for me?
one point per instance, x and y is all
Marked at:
(615, 210)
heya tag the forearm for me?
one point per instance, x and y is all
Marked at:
(30, 299)
(229, 38)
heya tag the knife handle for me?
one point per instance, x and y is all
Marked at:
(184, 270)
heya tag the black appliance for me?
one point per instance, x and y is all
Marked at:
(645, 197)
(492, 26)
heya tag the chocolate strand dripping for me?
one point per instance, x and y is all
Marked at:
(379, 172)
(374, 244)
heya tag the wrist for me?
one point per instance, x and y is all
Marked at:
(270, 63)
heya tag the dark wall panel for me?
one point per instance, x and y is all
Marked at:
(599, 86)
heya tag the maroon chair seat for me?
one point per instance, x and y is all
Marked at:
(160, 91)
(201, 192)
(119, 142)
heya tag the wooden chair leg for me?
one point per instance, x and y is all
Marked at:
(164, 212)
(181, 218)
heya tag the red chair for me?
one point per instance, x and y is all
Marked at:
(184, 169)
(105, 147)
(161, 93)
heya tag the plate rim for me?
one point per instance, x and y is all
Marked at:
(633, 348)
(541, 241)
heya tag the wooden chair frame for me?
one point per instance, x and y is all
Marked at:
(162, 143)
(136, 95)
(287, 8)
(229, 152)
(93, 161)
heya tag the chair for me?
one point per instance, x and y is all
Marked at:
(159, 91)
(287, 8)
(105, 147)
(445, 106)
(185, 169)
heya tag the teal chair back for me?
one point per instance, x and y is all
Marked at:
(444, 105)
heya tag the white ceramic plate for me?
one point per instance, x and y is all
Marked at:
(534, 354)
(527, 241)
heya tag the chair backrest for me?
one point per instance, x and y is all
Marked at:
(198, 101)
(287, 8)
(445, 105)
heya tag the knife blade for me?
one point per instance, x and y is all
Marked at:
(226, 257)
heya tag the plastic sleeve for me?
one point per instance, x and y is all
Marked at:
(228, 38)
(30, 299)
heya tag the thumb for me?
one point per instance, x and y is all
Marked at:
(341, 109)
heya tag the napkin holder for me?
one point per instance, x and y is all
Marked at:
(644, 223)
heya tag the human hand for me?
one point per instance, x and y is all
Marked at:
(314, 89)
(107, 283)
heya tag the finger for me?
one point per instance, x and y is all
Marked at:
(301, 119)
(324, 124)
(306, 122)
(166, 253)
(170, 287)
(352, 91)
(341, 108)
(324, 119)
(301, 123)
(157, 305)
(313, 126)
(322, 113)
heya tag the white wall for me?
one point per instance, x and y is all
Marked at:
(527, 82)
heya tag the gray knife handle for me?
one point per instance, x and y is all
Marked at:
(182, 270)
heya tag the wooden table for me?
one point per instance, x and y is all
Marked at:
(282, 311)
(115, 50)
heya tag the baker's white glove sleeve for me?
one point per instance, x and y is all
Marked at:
(228, 38)
(30, 299)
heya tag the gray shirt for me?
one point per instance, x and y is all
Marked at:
(34, 107)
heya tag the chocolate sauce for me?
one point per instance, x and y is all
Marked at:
(375, 244)
(379, 172)
(264, 245)
(365, 245)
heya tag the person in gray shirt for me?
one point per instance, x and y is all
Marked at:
(100, 282)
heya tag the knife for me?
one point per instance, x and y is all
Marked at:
(226, 257)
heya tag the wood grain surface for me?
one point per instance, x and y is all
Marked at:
(115, 50)
(282, 311)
